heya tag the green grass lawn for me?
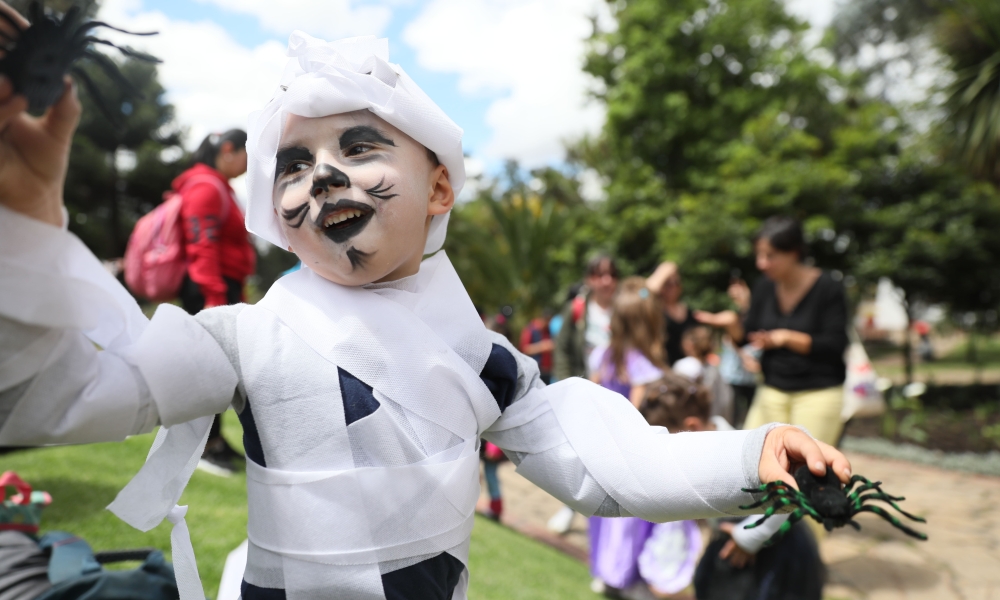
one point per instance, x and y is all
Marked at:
(84, 479)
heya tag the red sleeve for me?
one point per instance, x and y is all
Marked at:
(201, 212)
(525, 338)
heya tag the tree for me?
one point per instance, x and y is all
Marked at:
(117, 172)
(511, 245)
(969, 34)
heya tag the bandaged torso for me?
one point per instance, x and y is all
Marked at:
(363, 415)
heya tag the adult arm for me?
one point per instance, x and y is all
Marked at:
(202, 214)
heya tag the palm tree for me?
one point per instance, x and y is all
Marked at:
(968, 33)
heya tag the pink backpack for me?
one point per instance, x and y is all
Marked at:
(155, 264)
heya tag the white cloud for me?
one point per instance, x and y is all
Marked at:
(327, 19)
(212, 81)
(531, 52)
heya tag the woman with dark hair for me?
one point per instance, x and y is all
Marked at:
(665, 283)
(219, 254)
(797, 314)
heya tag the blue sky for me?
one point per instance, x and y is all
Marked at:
(466, 110)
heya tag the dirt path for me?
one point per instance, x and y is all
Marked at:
(961, 561)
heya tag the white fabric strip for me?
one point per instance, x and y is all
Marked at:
(49, 278)
(359, 520)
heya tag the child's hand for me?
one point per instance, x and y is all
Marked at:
(34, 152)
(731, 551)
(787, 447)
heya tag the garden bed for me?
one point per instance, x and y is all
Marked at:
(951, 419)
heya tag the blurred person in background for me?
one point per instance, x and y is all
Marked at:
(585, 323)
(797, 315)
(739, 367)
(698, 345)
(665, 282)
(632, 359)
(536, 342)
(586, 319)
(218, 249)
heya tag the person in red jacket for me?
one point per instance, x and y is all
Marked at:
(220, 256)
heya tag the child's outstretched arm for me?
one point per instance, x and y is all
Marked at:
(591, 449)
(58, 303)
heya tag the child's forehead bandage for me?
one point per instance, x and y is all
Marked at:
(331, 78)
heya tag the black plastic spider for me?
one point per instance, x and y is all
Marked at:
(37, 58)
(825, 500)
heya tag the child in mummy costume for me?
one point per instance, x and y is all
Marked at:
(363, 382)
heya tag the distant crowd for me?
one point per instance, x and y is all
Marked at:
(778, 357)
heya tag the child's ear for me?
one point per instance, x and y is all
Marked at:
(442, 195)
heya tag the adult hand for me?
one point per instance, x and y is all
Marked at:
(731, 551)
(768, 340)
(786, 448)
(726, 318)
(666, 270)
(739, 293)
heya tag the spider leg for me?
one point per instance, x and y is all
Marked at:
(94, 24)
(780, 492)
(778, 503)
(855, 479)
(878, 510)
(889, 499)
(767, 487)
(95, 94)
(123, 49)
(111, 69)
(794, 517)
(871, 485)
(854, 524)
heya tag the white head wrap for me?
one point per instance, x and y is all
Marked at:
(330, 78)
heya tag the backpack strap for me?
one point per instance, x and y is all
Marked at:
(579, 306)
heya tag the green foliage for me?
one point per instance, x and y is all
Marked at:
(517, 242)
(969, 33)
(102, 200)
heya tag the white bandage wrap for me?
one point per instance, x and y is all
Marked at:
(176, 344)
(49, 278)
(330, 78)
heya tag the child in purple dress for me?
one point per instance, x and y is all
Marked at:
(632, 359)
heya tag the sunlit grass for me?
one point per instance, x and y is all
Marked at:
(84, 479)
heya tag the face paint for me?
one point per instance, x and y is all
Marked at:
(362, 134)
(380, 192)
(344, 219)
(358, 258)
(296, 216)
(352, 193)
(326, 176)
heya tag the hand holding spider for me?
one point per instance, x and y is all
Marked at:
(786, 448)
(34, 151)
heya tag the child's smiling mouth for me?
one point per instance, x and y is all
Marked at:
(344, 219)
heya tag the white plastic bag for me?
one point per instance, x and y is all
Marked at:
(862, 397)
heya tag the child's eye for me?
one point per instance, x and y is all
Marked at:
(295, 167)
(359, 149)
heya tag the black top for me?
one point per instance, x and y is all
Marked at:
(822, 313)
(675, 332)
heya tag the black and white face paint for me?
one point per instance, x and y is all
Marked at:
(351, 193)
